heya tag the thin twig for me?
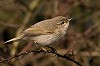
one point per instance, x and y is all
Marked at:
(41, 51)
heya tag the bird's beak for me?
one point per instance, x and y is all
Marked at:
(70, 19)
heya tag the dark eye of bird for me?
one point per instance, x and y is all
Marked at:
(62, 22)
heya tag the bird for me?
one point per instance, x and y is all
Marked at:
(45, 32)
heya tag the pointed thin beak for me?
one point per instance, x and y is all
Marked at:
(70, 19)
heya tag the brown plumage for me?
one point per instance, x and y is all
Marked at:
(45, 32)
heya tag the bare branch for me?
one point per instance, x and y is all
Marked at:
(42, 51)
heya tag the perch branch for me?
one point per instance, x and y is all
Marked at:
(41, 51)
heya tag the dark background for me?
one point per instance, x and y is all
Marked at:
(83, 35)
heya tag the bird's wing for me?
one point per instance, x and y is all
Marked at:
(34, 30)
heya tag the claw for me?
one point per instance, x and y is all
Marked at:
(44, 50)
(52, 49)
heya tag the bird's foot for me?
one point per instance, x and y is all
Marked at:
(52, 50)
(44, 50)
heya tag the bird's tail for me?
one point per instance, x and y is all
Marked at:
(14, 39)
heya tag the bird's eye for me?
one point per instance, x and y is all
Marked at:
(62, 22)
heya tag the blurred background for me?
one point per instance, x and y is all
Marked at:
(83, 35)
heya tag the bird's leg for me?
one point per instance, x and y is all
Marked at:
(45, 50)
(41, 46)
(52, 49)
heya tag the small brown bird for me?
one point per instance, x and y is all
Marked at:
(45, 32)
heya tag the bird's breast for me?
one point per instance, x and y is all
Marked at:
(47, 39)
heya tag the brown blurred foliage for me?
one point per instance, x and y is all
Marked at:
(83, 35)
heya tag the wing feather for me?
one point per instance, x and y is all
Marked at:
(36, 31)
